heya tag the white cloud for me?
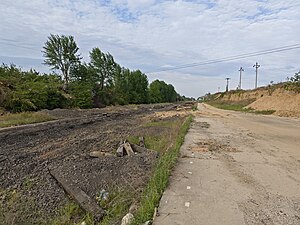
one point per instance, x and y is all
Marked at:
(153, 35)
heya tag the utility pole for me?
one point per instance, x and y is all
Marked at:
(256, 66)
(227, 84)
(240, 84)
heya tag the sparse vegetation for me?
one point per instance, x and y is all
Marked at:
(117, 205)
(159, 181)
(9, 120)
(239, 106)
(293, 83)
(71, 212)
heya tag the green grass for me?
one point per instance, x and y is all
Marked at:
(70, 213)
(264, 112)
(9, 120)
(229, 107)
(117, 205)
(161, 141)
(160, 124)
(159, 181)
(157, 143)
(239, 107)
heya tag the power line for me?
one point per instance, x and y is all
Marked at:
(231, 58)
(19, 46)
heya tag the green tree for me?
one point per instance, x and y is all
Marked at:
(60, 53)
(121, 91)
(104, 66)
(295, 78)
(137, 85)
(82, 85)
(161, 92)
(27, 91)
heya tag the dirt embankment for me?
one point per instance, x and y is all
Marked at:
(278, 98)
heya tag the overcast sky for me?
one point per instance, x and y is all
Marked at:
(155, 35)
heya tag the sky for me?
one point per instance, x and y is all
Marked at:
(158, 36)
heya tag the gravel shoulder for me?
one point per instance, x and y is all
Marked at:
(235, 168)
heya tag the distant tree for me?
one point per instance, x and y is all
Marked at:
(161, 92)
(121, 91)
(296, 77)
(137, 84)
(29, 90)
(155, 92)
(83, 85)
(60, 53)
(104, 66)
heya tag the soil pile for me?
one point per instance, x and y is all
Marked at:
(276, 97)
(285, 103)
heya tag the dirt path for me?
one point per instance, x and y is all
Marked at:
(235, 168)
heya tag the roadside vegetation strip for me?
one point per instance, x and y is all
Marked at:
(239, 107)
(23, 118)
(159, 181)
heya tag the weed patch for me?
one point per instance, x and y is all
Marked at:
(9, 120)
(159, 181)
(239, 107)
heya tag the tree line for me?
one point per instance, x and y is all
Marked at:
(98, 83)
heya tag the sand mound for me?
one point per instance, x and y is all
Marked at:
(286, 103)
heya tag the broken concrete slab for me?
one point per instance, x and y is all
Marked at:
(85, 202)
(128, 149)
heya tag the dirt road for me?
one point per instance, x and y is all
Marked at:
(235, 168)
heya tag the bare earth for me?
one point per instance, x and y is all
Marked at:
(235, 168)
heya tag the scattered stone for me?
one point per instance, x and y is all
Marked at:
(99, 154)
(142, 142)
(133, 208)
(127, 219)
(103, 196)
(187, 204)
(120, 150)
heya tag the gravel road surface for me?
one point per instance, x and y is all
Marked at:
(235, 168)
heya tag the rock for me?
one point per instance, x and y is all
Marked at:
(142, 142)
(99, 154)
(120, 151)
(127, 219)
(149, 222)
(83, 223)
(133, 208)
(128, 149)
